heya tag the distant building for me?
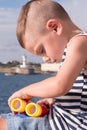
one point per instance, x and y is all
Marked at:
(24, 62)
(50, 67)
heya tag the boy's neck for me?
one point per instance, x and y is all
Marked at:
(71, 30)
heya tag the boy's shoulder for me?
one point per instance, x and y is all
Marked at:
(78, 40)
(84, 34)
(78, 44)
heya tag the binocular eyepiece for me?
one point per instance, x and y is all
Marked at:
(31, 108)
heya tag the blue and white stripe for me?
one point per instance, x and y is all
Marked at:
(69, 112)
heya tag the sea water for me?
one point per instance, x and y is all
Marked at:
(11, 83)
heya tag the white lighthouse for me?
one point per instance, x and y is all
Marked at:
(24, 62)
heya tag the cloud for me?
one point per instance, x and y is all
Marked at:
(77, 10)
(8, 19)
(11, 3)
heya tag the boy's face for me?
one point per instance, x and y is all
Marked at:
(49, 46)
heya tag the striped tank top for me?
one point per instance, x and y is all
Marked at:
(69, 112)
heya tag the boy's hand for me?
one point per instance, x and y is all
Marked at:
(47, 101)
(19, 94)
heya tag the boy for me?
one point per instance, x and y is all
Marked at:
(44, 28)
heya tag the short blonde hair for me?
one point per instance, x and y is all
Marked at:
(43, 11)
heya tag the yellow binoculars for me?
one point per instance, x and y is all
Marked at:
(31, 109)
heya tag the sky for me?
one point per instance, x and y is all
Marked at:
(10, 49)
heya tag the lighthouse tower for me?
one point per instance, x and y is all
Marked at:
(24, 60)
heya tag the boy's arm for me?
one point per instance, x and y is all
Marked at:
(61, 83)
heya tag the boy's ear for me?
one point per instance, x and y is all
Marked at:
(54, 25)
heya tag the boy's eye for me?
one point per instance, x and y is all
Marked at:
(41, 51)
